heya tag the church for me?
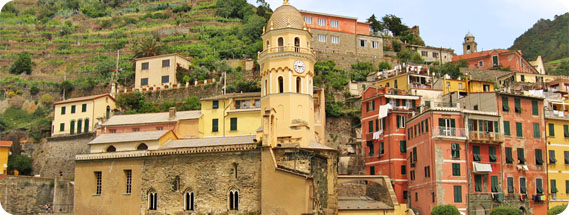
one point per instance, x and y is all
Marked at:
(285, 168)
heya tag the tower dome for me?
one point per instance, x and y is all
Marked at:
(285, 16)
(468, 35)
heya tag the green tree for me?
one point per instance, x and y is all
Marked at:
(394, 24)
(328, 75)
(557, 210)
(23, 64)
(384, 66)
(21, 163)
(409, 56)
(505, 210)
(361, 70)
(253, 27)
(191, 103)
(46, 99)
(147, 47)
(412, 39)
(452, 69)
(34, 90)
(375, 24)
(9, 8)
(131, 101)
(233, 9)
(445, 210)
(66, 86)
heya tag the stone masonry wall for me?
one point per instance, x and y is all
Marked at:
(28, 195)
(210, 176)
(57, 154)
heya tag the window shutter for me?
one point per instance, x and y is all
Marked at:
(519, 130)
(505, 106)
(538, 157)
(442, 122)
(536, 130)
(476, 153)
(377, 125)
(510, 185)
(233, 124)
(552, 157)
(495, 187)
(478, 183)
(370, 126)
(506, 128)
(523, 185)
(521, 156)
(457, 194)
(452, 125)
(455, 169)
(509, 157)
(534, 110)
(415, 154)
(403, 146)
(470, 126)
(496, 127)
(518, 106)
(566, 130)
(398, 121)
(566, 153)
(539, 185)
(553, 186)
(566, 186)
(492, 153)
(551, 130)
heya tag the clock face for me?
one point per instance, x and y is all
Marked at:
(299, 66)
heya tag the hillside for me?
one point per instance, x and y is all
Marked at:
(548, 38)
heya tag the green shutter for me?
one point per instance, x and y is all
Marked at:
(403, 146)
(551, 130)
(381, 148)
(534, 110)
(536, 130)
(539, 185)
(518, 106)
(452, 125)
(476, 153)
(523, 188)
(72, 108)
(552, 159)
(507, 128)
(215, 104)
(214, 126)
(494, 181)
(478, 183)
(84, 108)
(553, 186)
(427, 125)
(377, 125)
(398, 121)
(505, 105)
(509, 157)
(492, 153)
(496, 127)
(455, 169)
(442, 122)
(234, 124)
(72, 127)
(566, 130)
(370, 126)
(79, 126)
(567, 186)
(521, 156)
(470, 125)
(457, 194)
(566, 153)
(87, 125)
(519, 130)
(510, 185)
(403, 170)
(61, 126)
(415, 154)
(367, 106)
(428, 103)
(63, 110)
(413, 103)
(538, 157)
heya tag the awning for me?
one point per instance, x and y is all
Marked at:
(481, 168)
(402, 97)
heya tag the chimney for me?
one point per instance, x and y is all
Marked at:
(172, 113)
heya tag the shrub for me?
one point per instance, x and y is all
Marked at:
(557, 210)
(191, 103)
(505, 210)
(23, 64)
(445, 210)
(184, 8)
(21, 163)
(34, 90)
(384, 66)
(46, 99)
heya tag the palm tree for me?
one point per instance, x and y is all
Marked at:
(148, 46)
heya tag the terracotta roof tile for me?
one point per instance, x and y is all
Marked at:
(5, 143)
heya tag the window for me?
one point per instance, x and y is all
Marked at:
(370, 147)
(400, 121)
(142, 146)
(551, 130)
(553, 186)
(165, 63)
(477, 183)
(427, 172)
(435, 54)
(509, 156)
(403, 170)
(111, 148)
(521, 157)
(145, 66)
(495, 60)
(281, 85)
(414, 154)
(334, 39)
(381, 148)
(79, 125)
(494, 183)
(480, 63)
(424, 53)
(517, 105)
(476, 153)
(72, 127)
(63, 110)
(426, 125)
(362, 43)
(321, 38)
(375, 44)
(486, 87)
(566, 154)
(84, 108)
(416, 196)
(376, 124)
(152, 200)
(447, 127)
(456, 169)
(308, 20)
(536, 130)
(523, 188)
(372, 107)
(510, 184)
(538, 157)
(234, 200)
(334, 24)
(99, 181)
(72, 108)
(519, 130)
(458, 194)
(112, 131)
(567, 186)
(506, 128)
(412, 173)
(189, 201)
(539, 185)
(372, 170)
(144, 82)
(403, 146)
(321, 22)
(534, 110)
(370, 126)
(176, 184)
(61, 126)
(165, 79)
(566, 130)
(523, 78)
(492, 152)
(505, 105)
(214, 127)
(233, 124)
(460, 86)
(455, 148)
(128, 176)
(395, 84)
(215, 104)
(159, 128)
(87, 125)
(552, 159)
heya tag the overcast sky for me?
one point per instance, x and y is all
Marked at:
(444, 23)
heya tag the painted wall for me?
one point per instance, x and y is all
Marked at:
(248, 120)
(557, 171)
(4, 153)
(155, 70)
(96, 108)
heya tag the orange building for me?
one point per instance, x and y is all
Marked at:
(497, 58)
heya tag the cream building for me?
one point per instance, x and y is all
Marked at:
(158, 71)
(433, 54)
(80, 115)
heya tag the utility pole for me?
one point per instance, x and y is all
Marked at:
(224, 83)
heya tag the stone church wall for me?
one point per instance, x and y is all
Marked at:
(57, 155)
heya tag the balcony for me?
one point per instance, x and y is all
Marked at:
(287, 49)
(448, 132)
(556, 114)
(485, 137)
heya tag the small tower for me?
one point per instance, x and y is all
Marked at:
(469, 45)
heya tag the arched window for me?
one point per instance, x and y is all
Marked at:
(86, 125)
(268, 44)
(72, 127)
(176, 183)
(142, 146)
(298, 83)
(281, 44)
(79, 126)
(296, 44)
(281, 85)
(234, 200)
(108, 112)
(189, 201)
(111, 149)
(152, 200)
(266, 87)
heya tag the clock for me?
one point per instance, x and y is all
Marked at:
(299, 67)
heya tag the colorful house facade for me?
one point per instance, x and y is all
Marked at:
(80, 115)
(557, 131)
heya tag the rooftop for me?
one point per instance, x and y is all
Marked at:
(480, 54)
(233, 95)
(84, 98)
(129, 137)
(327, 14)
(161, 56)
(148, 118)
(5, 143)
(209, 141)
(361, 203)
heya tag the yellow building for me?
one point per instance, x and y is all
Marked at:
(557, 121)
(80, 115)
(4, 153)
(158, 71)
(465, 86)
(230, 114)
(405, 81)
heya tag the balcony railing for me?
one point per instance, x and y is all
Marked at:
(556, 114)
(449, 132)
(282, 49)
(485, 136)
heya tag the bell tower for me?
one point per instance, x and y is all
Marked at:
(469, 45)
(287, 72)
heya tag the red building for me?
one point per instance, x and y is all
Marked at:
(384, 114)
(495, 59)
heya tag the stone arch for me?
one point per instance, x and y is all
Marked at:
(152, 199)
(189, 197)
(298, 85)
(233, 196)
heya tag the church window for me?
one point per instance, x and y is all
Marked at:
(308, 20)
(298, 83)
(281, 42)
(268, 44)
(145, 66)
(99, 182)
(281, 85)
(128, 176)
(235, 165)
(189, 201)
(176, 183)
(234, 200)
(142, 146)
(334, 24)
(111, 149)
(152, 200)
(165, 63)
(321, 22)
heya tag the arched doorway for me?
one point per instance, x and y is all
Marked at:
(296, 44)
(281, 44)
